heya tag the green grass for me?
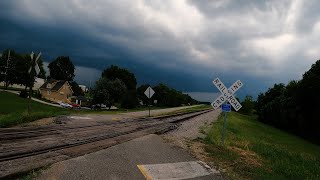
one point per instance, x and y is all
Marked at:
(257, 151)
(13, 110)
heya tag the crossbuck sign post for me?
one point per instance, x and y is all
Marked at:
(34, 71)
(226, 95)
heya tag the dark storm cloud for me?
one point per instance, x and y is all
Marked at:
(185, 44)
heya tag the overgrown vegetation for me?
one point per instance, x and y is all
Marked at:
(294, 107)
(247, 106)
(254, 150)
(13, 110)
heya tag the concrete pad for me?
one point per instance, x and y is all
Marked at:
(121, 161)
(176, 171)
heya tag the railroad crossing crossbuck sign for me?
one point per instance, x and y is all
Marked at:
(36, 66)
(227, 94)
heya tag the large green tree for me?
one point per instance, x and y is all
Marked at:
(8, 64)
(127, 77)
(129, 100)
(77, 91)
(62, 69)
(108, 91)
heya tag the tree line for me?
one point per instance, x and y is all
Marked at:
(119, 86)
(294, 107)
(165, 96)
(14, 69)
(116, 85)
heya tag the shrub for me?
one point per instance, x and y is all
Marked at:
(23, 94)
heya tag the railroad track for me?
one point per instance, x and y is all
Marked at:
(24, 149)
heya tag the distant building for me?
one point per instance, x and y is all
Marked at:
(56, 90)
(37, 84)
(84, 88)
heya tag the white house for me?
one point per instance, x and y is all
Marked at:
(84, 88)
(37, 84)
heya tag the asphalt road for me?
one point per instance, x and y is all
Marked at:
(142, 158)
(96, 118)
(92, 119)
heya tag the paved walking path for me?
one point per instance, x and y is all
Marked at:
(147, 157)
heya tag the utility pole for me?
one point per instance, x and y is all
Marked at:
(7, 67)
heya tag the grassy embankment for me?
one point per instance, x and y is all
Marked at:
(13, 110)
(254, 150)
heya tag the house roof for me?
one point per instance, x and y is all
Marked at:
(58, 85)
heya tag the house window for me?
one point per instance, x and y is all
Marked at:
(48, 92)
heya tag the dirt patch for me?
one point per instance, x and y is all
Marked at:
(247, 156)
(40, 122)
(189, 136)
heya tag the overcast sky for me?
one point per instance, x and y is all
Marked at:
(183, 43)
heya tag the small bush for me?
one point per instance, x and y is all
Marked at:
(23, 94)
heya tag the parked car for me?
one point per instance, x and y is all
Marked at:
(75, 105)
(65, 105)
(98, 106)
